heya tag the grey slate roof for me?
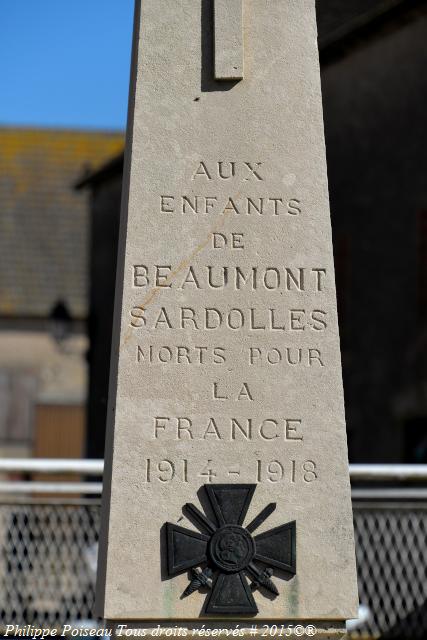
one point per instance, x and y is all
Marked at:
(44, 220)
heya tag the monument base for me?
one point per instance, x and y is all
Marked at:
(321, 630)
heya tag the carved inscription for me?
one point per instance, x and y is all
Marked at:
(236, 278)
(280, 300)
(204, 205)
(271, 471)
(239, 428)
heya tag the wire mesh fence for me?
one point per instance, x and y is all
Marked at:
(48, 561)
(392, 568)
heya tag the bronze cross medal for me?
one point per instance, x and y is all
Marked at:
(227, 552)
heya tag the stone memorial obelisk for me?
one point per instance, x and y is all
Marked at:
(226, 489)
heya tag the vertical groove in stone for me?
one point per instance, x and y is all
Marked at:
(228, 39)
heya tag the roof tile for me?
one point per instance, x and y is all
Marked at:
(44, 220)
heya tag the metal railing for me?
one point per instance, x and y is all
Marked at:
(369, 473)
(49, 532)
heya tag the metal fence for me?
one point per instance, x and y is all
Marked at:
(48, 546)
(47, 561)
(392, 568)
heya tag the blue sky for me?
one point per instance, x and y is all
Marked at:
(65, 63)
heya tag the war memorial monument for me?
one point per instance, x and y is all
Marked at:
(226, 488)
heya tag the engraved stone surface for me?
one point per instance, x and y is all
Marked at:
(226, 363)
